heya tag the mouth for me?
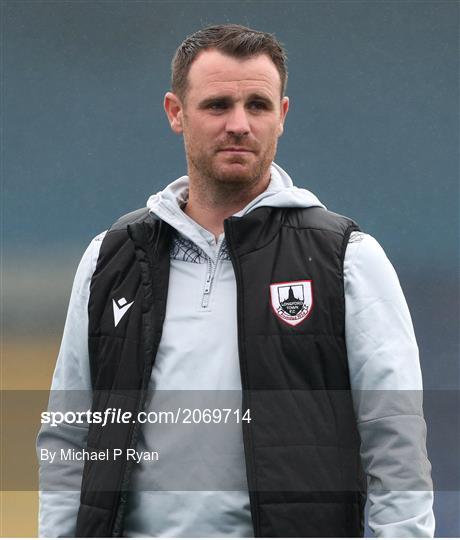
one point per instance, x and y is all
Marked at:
(237, 150)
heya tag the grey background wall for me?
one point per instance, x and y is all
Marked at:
(373, 131)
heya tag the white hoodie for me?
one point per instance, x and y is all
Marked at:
(199, 351)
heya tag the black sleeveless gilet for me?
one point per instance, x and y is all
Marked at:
(301, 446)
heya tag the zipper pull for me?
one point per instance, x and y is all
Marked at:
(207, 284)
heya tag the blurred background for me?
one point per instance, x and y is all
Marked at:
(373, 131)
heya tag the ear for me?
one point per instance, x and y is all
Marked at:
(174, 111)
(283, 112)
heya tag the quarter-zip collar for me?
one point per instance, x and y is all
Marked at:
(168, 204)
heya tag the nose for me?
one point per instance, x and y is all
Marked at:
(237, 121)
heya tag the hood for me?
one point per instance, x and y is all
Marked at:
(281, 193)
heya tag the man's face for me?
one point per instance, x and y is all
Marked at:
(231, 117)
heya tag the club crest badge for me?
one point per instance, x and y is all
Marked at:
(292, 301)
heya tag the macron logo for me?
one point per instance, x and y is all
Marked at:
(120, 307)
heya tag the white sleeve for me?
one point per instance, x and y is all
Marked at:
(59, 499)
(387, 388)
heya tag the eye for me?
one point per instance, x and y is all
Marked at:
(258, 105)
(217, 106)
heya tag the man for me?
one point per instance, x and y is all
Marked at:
(233, 279)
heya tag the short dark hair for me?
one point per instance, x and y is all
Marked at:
(231, 39)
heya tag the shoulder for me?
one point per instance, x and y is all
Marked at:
(317, 217)
(116, 240)
(136, 216)
(367, 269)
(364, 251)
(88, 263)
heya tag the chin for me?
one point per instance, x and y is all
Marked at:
(235, 175)
(235, 169)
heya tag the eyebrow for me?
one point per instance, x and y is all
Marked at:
(228, 99)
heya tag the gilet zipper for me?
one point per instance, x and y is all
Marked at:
(246, 401)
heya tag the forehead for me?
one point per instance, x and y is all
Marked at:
(213, 71)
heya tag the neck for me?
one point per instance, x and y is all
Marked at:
(210, 207)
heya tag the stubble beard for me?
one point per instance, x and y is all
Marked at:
(221, 188)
